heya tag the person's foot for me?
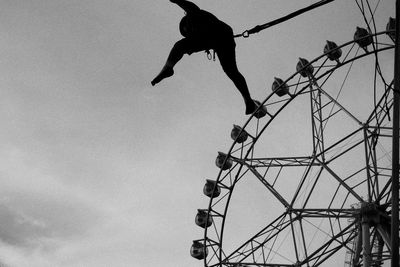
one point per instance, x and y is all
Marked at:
(165, 73)
(250, 107)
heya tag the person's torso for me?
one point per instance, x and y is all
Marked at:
(203, 24)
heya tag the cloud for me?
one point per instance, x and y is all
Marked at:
(28, 220)
(17, 228)
(35, 227)
(40, 214)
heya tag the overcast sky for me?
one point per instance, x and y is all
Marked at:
(99, 168)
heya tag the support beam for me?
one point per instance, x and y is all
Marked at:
(366, 245)
(395, 145)
(385, 236)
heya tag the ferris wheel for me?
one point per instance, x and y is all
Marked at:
(307, 180)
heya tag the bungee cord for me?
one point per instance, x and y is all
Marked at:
(259, 28)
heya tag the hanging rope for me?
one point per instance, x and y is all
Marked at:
(258, 28)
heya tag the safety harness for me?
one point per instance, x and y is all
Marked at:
(210, 56)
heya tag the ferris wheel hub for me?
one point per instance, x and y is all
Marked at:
(374, 214)
(369, 213)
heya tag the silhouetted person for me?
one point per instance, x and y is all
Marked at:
(203, 31)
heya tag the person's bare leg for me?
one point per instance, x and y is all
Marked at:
(167, 71)
(227, 59)
(178, 50)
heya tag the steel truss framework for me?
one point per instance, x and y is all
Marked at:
(354, 217)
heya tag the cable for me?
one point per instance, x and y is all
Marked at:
(258, 28)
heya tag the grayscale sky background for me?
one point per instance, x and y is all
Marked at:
(98, 168)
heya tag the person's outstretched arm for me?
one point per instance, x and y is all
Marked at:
(186, 5)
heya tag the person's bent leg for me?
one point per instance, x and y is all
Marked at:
(183, 46)
(178, 50)
(227, 59)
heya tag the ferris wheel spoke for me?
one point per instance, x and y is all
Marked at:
(328, 249)
(257, 244)
(334, 101)
(385, 191)
(256, 250)
(382, 107)
(373, 171)
(277, 162)
(347, 147)
(270, 187)
(324, 213)
(374, 132)
(341, 181)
